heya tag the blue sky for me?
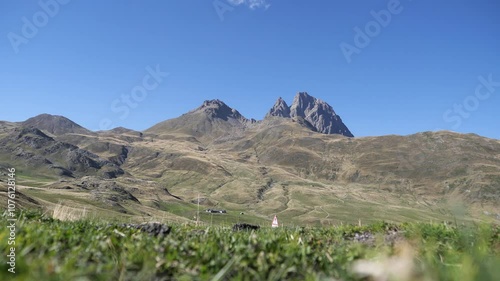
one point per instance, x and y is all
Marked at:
(425, 68)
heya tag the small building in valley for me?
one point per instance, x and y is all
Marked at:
(215, 211)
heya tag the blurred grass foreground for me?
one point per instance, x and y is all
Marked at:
(88, 249)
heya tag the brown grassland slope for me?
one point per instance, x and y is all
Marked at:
(253, 170)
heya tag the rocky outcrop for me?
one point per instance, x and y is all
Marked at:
(280, 109)
(33, 148)
(319, 113)
(153, 228)
(245, 226)
(218, 109)
(314, 113)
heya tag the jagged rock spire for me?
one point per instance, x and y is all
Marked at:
(280, 109)
(319, 114)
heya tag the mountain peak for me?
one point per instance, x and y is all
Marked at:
(316, 114)
(218, 109)
(55, 124)
(280, 109)
(215, 115)
(213, 120)
(303, 95)
(304, 102)
(213, 103)
(319, 114)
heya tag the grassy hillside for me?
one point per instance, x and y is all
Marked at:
(273, 167)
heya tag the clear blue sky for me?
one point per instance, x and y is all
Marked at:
(409, 78)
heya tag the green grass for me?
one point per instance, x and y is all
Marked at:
(47, 249)
(189, 211)
(24, 177)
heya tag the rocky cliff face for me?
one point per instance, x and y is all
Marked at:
(319, 114)
(280, 109)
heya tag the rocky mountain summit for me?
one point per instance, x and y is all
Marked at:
(317, 113)
(216, 120)
(218, 109)
(280, 109)
(212, 120)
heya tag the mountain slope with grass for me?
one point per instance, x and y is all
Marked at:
(213, 157)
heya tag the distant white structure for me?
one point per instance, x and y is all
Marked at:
(275, 222)
(215, 211)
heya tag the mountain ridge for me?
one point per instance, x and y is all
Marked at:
(278, 165)
(214, 120)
